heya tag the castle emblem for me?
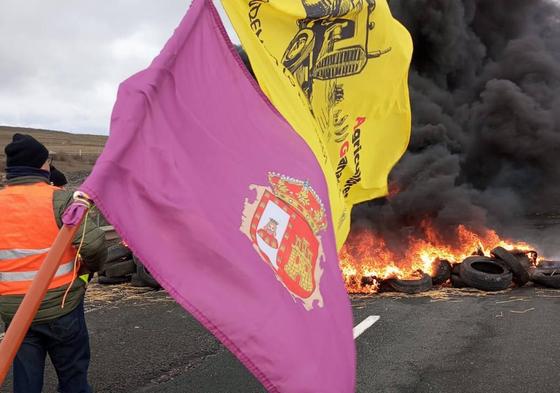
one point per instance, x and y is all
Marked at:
(284, 223)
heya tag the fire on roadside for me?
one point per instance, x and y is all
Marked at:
(365, 259)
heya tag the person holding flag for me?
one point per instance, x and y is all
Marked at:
(31, 217)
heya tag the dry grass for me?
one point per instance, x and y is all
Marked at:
(436, 294)
(103, 296)
(456, 295)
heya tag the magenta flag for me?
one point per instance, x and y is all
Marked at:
(228, 208)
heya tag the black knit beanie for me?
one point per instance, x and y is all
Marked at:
(24, 150)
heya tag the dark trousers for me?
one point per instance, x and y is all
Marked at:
(66, 340)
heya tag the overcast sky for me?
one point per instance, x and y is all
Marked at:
(61, 61)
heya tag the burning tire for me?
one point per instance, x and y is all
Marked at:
(367, 280)
(442, 272)
(485, 274)
(549, 277)
(456, 269)
(520, 274)
(457, 282)
(421, 284)
(523, 258)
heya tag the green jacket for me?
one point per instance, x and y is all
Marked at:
(93, 254)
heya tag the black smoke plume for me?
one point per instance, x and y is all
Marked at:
(485, 145)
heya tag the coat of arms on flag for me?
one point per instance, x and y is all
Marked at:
(283, 224)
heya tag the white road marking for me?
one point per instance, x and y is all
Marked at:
(364, 325)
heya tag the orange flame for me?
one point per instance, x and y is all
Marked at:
(365, 258)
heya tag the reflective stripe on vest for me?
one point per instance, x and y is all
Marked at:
(28, 276)
(21, 253)
(28, 228)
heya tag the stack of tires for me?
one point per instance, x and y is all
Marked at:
(122, 267)
(493, 273)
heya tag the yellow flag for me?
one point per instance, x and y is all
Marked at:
(337, 70)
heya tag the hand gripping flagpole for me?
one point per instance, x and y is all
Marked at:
(32, 300)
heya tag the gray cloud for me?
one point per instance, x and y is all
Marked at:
(61, 61)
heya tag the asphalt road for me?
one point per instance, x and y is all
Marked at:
(448, 341)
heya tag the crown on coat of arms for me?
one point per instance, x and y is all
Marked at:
(302, 198)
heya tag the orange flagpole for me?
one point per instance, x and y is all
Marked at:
(28, 309)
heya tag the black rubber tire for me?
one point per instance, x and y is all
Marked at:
(117, 252)
(456, 269)
(442, 272)
(548, 277)
(485, 274)
(520, 274)
(457, 282)
(112, 280)
(120, 269)
(411, 286)
(135, 281)
(523, 260)
(144, 275)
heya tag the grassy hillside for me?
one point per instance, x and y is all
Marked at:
(72, 153)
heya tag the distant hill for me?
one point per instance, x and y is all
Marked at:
(71, 152)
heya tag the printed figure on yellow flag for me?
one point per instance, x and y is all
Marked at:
(337, 70)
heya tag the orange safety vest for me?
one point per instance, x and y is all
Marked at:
(27, 230)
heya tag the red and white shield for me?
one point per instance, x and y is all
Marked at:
(291, 249)
(285, 240)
